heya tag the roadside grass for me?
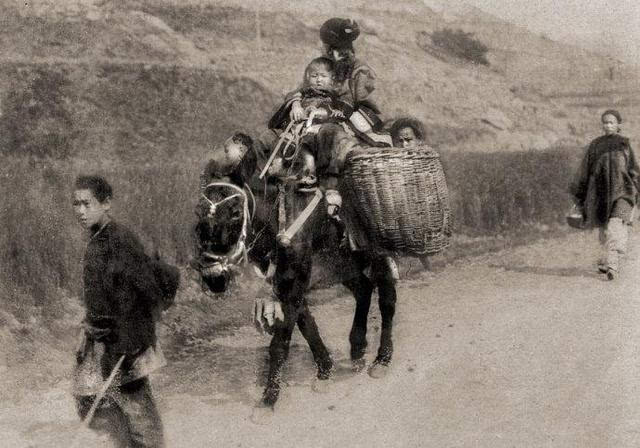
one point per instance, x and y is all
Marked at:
(495, 197)
(499, 200)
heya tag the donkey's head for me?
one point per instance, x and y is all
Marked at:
(223, 212)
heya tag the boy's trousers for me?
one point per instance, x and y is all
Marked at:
(129, 415)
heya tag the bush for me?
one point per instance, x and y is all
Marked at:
(496, 194)
(35, 119)
(492, 193)
(461, 44)
(42, 244)
(509, 192)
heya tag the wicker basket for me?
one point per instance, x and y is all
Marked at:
(396, 200)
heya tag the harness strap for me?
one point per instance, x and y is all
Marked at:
(282, 212)
(297, 224)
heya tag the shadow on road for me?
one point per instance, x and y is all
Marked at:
(555, 271)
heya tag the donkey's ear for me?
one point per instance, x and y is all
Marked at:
(236, 209)
(248, 165)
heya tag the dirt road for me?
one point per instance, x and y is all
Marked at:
(528, 347)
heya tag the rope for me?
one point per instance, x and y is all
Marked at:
(253, 201)
(299, 132)
(214, 205)
(274, 153)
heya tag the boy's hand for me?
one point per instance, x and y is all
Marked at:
(297, 112)
(266, 313)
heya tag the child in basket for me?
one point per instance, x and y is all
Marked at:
(407, 132)
(605, 190)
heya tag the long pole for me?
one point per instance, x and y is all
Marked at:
(97, 400)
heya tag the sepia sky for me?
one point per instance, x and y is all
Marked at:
(611, 24)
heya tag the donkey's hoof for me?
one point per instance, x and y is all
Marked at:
(321, 386)
(378, 370)
(262, 414)
(358, 365)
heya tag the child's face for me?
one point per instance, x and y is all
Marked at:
(610, 124)
(406, 138)
(320, 77)
(88, 209)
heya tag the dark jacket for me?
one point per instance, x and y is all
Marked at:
(359, 86)
(120, 290)
(609, 172)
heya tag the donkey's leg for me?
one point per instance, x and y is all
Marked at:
(278, 354)
(297, 262)
(361, 288)
(309, 329)
(387, 302)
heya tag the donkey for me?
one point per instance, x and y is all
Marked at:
(278, 203)
(224, 237)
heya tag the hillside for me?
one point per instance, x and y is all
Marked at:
(165, 77)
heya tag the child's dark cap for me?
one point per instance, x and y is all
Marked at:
(339, 33)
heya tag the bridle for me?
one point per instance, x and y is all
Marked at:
(217, 264)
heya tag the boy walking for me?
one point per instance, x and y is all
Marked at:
(121, 297)
(605, 190)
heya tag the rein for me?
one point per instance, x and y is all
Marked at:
(290, 136)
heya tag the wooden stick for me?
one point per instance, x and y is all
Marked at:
(98, 399)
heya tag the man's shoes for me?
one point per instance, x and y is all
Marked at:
(602, 266)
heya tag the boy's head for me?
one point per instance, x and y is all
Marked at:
(319, 74)
(237, 146)
(407, 132)
(92, 200)
(236, 160)
(611, 120)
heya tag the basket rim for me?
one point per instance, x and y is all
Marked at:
(425, 152)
